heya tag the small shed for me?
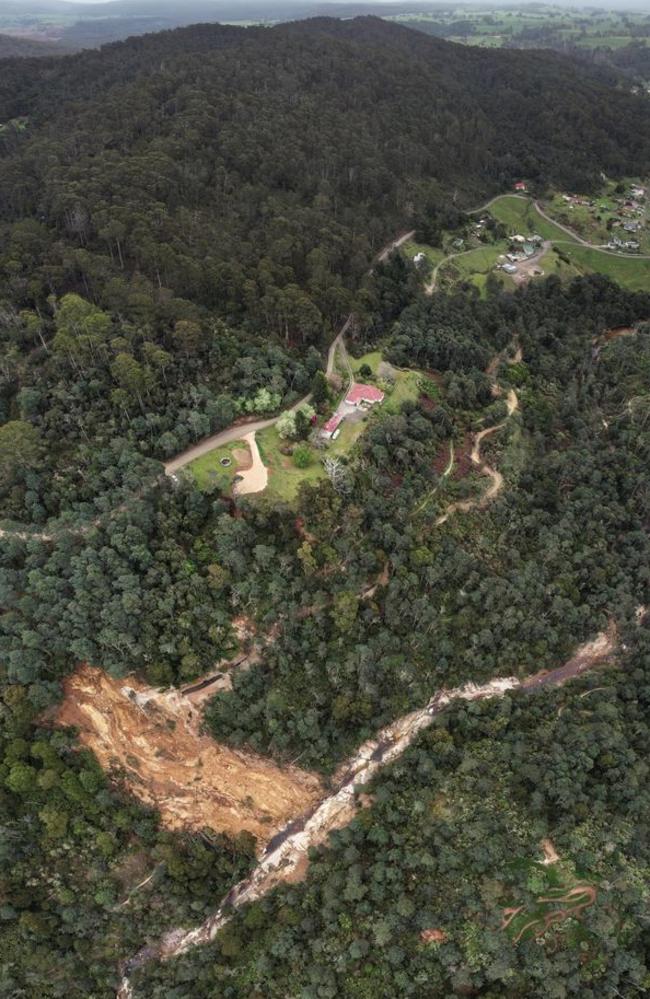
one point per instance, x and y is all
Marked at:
(332, 428)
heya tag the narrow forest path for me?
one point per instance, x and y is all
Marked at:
(286, 858)
(495, 476)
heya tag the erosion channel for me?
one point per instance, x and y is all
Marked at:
(286, 856)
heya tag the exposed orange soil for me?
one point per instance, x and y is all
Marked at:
(550, 853)
(583, 895)
(442, 459)
(509, 914)
(599, 650)
(153, 740)
(433, 936)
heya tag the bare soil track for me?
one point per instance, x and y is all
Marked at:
(286, 857)
(493, 474)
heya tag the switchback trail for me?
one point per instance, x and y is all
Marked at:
(496, 478)
(286, 856)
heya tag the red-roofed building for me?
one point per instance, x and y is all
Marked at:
(521, 185)
(360, 395)
(331, 428)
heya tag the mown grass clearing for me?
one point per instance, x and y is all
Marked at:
(373, 360)
(475, 266)
(630, 272)
(521, 216)
(433, 254)
(285, 478)
(208, 470)
(599, 219)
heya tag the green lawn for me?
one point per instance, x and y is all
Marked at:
(350, 433)
(433, 254)
(606, 41)
(373, 360)
(475, 265)
(208, 470)
(591, 222)
(520, 215)
(630, 272)
(479, 261)
(406, 382)
(284, 478)
(405, 390)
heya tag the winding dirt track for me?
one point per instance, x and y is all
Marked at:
(286, 856)
(574, 236)
(496, 478)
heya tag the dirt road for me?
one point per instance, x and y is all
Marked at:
(287, 855)
(337, 343)
(583, 242)
(574, 236)
(384, 254)
(495, 476)
(255, 478)
(235, 432)
(238, 432)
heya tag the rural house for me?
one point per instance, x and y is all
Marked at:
(364, 395)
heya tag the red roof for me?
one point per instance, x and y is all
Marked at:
(332, 423)
(520, 185)
(364, 393)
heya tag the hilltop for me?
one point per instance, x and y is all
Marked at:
(224, 140)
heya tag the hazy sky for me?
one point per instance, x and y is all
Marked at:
(630, 5)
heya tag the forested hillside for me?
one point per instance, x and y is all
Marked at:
(185, 221)
(185, 216)
(25, 47)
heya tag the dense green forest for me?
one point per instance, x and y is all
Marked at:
(505, 590)
(185, 219)
(452, 839)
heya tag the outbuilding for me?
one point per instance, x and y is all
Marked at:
(332, 428)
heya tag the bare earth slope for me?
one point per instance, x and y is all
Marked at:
(154, 740)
